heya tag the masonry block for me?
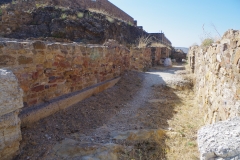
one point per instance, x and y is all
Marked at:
(10, 102)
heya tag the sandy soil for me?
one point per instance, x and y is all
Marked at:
(138, 101)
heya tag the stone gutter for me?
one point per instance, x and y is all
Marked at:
(35, 113)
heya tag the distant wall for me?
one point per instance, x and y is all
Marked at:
(160, 37)
(217, 74)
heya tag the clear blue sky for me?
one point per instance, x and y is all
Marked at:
(182, 20)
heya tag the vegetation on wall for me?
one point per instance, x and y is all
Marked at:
(143, 41)
(207, 42)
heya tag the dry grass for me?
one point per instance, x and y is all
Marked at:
(143, 41)
(182, 141)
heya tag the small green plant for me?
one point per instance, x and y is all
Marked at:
(111, 20)
(64, 16)
(130, 24)
(38, 5)
(80, 14)
(207, 42)
(14, 2)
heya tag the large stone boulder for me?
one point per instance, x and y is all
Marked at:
(220, 140)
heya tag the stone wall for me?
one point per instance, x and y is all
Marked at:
(47, 70)
(178, 55)
(10, 103)
(101, 5)
(140, 59)
(160, 37)
(217, 74)
(144, 58)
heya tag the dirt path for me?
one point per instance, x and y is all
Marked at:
(132, 120)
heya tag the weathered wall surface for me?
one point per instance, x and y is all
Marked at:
(178, 55)
(160, 37)
(10, 103)
(102, 5)
(140, 59)
(217, 73)
(49, 70)
(63, 25)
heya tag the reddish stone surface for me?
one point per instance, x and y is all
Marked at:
(24, 60)
(74, 71)
(39, 45)
(7, 60)
(38, 88)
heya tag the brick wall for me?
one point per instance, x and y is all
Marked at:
(217, 73)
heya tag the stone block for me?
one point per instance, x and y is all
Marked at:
(38, 88)
(6, 60)
(220, 140)
(25, 60)
(39, 45)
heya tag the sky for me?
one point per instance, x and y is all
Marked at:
(182, 21)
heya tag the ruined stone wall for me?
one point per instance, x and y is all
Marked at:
(217, 74)
(156, 55)
(160, 37)
(48, 70)
(144, 58)
(10, 103)
(140, 59)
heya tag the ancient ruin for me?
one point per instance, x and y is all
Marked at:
(75, 80)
